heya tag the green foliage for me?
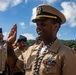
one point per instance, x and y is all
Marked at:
(30, 42)
(70, 43)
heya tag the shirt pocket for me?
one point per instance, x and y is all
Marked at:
(49, 66)
(50, 69)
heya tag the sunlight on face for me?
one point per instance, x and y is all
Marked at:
(45, 28)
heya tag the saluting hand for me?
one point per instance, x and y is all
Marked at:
(12, 35)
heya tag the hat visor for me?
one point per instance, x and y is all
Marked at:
(19, 40)
(40, 19)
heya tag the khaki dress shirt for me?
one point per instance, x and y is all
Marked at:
(61, 60)
(3, 57)
(19, 66)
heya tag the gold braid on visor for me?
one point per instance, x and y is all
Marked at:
(39, 16)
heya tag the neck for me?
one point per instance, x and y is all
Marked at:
(21, 47)
(46, 42)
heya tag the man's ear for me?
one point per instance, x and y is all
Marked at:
(56, 27)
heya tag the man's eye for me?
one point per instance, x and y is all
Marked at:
(43, 24)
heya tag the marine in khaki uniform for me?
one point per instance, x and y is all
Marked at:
(51, 57)
(5, 48)
(19, 50)
(11, 58)
(3, 53)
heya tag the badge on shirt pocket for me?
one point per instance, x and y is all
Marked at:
(50, 65)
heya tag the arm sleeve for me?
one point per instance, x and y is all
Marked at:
(69, 63)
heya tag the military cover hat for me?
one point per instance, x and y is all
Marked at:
(0, 30)
(22, 38)
(47, 11)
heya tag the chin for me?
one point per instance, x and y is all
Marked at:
(39, 36)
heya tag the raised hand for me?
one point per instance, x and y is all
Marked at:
(12, 35)
(11, 57)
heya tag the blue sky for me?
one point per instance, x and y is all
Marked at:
(21, 12)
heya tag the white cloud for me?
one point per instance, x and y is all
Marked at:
(4, 4)
(69, 9)
(49, 1)
(33, 15)
(5, 35)
(22, 24)
(58, 34)
(15, 2)
(29, 36)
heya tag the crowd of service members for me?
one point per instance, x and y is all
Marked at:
(47, 56)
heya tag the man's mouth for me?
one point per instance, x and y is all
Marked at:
(39, 32)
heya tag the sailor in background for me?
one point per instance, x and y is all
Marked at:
(3, 54)
(19, 50)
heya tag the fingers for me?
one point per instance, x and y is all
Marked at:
(12, 38)
(13, 29)
(12, 34)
